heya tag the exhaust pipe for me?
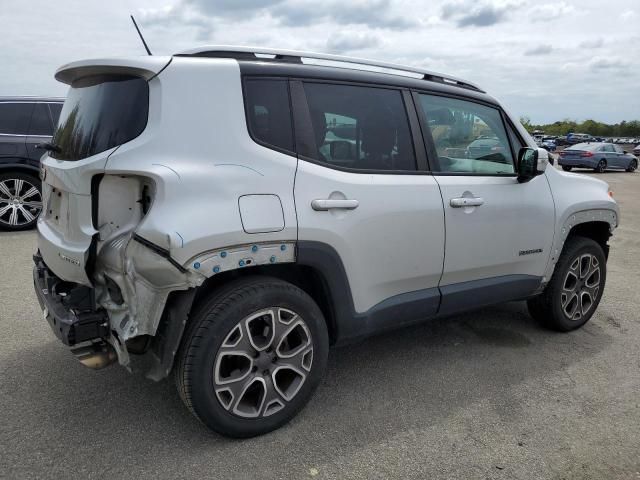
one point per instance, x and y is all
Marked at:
(95, 355)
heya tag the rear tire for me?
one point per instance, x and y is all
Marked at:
(575, 289)
(566, 168)
(252, 356)
(601, 167)
(633, 165)
(20, 201)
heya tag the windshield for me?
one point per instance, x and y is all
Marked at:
(101, 112)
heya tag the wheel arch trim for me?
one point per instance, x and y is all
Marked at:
(597, 215)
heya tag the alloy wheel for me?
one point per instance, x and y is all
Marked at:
(20, 202)
(263, 363)
(602, 166)
(581, 286)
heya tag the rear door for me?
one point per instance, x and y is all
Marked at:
(619, 158)
(361, 192)
(499, 231)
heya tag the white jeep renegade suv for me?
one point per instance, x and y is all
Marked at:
(229, 213)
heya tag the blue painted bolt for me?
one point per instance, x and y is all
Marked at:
(254, 248)
(223, 254)
(283, 247)
(273, 259)
(216, 269)
(241, 263)
(196, 265)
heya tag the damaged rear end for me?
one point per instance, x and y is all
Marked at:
(103, 287)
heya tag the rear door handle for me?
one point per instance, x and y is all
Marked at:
(466, 202)
(327, 204)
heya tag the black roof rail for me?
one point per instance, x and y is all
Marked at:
(294, 56)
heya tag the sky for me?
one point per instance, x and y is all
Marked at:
(547, 60)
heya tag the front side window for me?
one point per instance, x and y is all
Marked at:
(101, 112)
(360, 128)
(468, 137)
(14, 118)
(269, 113)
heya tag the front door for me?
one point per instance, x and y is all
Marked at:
(499, 232)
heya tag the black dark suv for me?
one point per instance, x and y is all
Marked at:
(25, 122)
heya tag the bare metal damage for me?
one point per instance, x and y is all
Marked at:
(145, 274)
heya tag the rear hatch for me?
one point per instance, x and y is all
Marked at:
(107, 105)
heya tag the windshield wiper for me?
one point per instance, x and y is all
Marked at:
(49, 147)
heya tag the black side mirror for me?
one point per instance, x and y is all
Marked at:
(527, 164)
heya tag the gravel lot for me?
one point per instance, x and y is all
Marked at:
(483, 395)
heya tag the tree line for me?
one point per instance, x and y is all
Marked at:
(597, 129)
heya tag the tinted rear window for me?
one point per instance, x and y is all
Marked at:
(268, 113)
(14, 117)
(101, 112)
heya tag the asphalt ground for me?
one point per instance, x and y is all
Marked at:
(486, 395)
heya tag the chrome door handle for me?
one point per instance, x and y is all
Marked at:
(466, 202)
(327, 204)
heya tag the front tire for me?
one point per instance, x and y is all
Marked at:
(601, 167)
(20, 201)
(633, 165)
(566, 168)
(575, 289)
(252, 356)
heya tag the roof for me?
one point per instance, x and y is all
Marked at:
(338, 61)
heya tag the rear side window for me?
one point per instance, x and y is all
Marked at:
(101, 112)
(362, 128)
(269, 113)
(40, 121)
(14, 118)
(468, 137)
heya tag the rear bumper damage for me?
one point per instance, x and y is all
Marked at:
(134, 285)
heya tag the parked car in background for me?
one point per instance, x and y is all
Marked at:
(25, 122)
(598, 156)
(575, 138)
(549, 144)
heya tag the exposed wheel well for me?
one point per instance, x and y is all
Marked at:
(597, 231)
(306, 278)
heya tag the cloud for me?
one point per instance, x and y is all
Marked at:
(607, 63)
(595, 43)
(539, 50)
(467, 13)
(176, 16)
(550, 11)
(372, 13)
(628, 15)
(349, 41)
